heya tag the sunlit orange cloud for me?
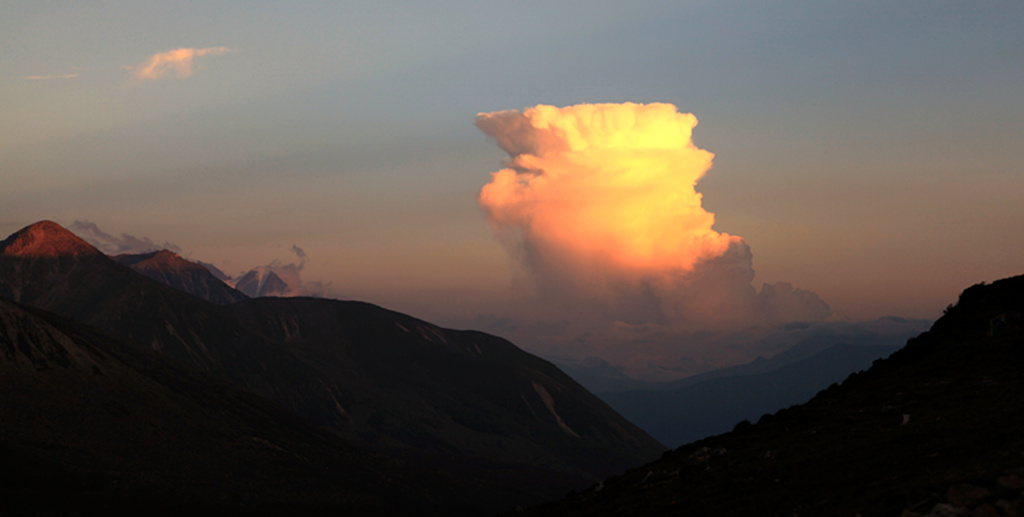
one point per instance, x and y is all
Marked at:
(611, 182)
(599, 202)
(180, 60)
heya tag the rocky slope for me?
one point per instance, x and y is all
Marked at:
(932, 430)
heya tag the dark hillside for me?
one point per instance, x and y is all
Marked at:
(932, 430)
(90, 424)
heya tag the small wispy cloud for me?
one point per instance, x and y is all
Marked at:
(112, 245)
(48, 77)
(179, 61)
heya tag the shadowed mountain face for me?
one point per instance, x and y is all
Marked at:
(89, 421)
(169, 269)
(374, 372)
(472, 403)
(934, 429)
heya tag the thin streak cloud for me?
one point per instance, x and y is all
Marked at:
(180, 61)
(48, 77)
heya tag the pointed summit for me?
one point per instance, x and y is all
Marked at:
(163, 258)
(168, 268)
(273, 285)
(260, 282)
(46, 239)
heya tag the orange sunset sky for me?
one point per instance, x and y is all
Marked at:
(867, 154)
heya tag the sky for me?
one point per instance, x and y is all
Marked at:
(869, 153)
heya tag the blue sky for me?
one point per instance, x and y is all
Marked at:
(869, 152)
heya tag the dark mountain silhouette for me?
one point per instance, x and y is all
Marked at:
(90, 423)
(471, 393)
(934, 429)
(472, 404)
(712, 405)
(169, 269)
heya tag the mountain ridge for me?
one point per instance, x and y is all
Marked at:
(474, 403)
(168, 268)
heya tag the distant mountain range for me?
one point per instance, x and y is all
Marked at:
(709, 403)
(204, 280)
(688, 411)
(470, 409)
(932, 430)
